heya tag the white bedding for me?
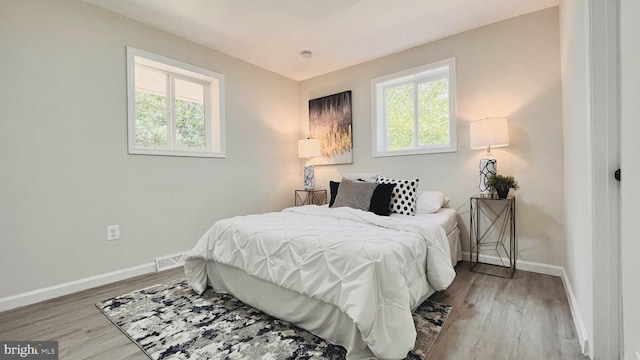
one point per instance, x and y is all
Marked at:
(447, 218)
(371, 267)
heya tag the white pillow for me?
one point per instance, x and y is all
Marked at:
(362, 177)
(429, 202)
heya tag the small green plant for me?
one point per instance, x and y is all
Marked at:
(502, 184)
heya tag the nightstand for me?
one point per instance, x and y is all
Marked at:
(310, 197)
(493, 236)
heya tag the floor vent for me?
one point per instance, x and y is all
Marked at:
(170, 262)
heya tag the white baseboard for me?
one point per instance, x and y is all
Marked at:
(583, 336)
(546, 269)
(521, 265)
(50, 292)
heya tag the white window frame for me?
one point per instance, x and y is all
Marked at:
(429, 72)
(213, 83)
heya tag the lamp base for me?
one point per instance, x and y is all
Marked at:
(488, 167)
(308, 176)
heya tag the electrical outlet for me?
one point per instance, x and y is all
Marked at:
(113, 232)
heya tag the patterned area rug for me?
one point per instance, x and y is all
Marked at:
(170, 321)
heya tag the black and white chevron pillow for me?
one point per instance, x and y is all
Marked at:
(403, 198)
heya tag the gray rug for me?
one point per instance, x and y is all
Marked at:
(170, 321)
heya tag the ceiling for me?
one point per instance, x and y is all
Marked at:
(340, 33)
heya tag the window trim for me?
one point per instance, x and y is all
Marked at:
(179, 70)
(379, 123)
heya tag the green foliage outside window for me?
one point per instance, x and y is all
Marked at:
(151, 122)
(433, 114)
(190, 124)
(433, 105)
(400, 115)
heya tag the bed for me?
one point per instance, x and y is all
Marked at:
(347, 275)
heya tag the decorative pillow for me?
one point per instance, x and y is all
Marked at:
(429, 202)
(333, 189)
(354, 194)
(403, 198)
(361, 177)
(381, 199)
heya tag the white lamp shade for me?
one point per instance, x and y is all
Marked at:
(309, 148)
(492, 132)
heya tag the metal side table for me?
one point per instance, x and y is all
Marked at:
(493, 243)
(310, 197)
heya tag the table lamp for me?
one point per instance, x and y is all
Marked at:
(308, 148)
(488, 133)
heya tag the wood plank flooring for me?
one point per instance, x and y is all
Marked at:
(526, 317)
(82, 331)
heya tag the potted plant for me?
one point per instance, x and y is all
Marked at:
(501, 184)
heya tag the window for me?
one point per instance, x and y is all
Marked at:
(175, 109)
(414, 111)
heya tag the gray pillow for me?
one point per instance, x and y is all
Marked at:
(354, 194)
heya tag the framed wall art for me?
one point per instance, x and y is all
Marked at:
(330, 121)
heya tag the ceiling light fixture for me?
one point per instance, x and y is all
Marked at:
(306, 54)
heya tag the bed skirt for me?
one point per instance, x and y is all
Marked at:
(327, 320)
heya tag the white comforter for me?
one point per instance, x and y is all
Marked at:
(371, 267)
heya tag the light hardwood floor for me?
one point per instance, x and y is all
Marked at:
(526, 317)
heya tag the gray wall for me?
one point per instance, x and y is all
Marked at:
(510, 69)
(629, 30)
(66, 172)
(578, 161)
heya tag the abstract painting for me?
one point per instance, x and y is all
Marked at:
(330, 122)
